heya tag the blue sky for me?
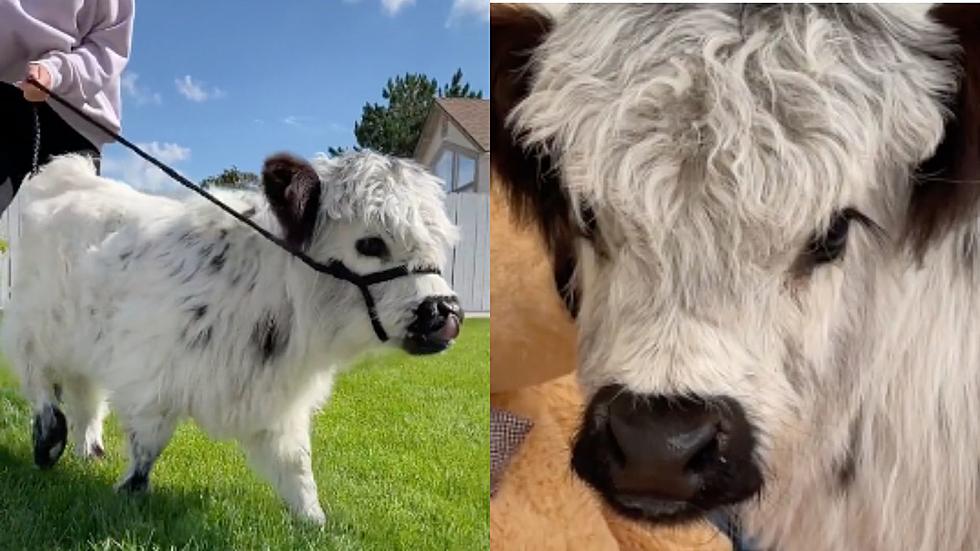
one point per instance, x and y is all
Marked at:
(220, 83)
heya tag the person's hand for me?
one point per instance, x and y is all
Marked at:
(40, 74)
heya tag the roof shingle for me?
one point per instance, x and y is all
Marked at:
(472, 115)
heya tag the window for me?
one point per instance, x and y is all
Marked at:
(456, 168)
(465, 171)
(444, 167)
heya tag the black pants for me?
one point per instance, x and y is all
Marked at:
(17, 139)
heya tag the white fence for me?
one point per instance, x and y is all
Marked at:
(10, 234)
(469, 263)
(468, 269)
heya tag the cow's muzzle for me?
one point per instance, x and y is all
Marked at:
(666, 458)
(435, 326)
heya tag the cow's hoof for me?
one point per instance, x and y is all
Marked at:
(50, 436)
(135, 484)
(314, 516)
(90, 452)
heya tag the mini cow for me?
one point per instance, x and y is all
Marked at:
(770, 215)
(174, 309)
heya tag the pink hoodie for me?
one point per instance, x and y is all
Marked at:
(84, 44)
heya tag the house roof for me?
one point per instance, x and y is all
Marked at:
(472, 116)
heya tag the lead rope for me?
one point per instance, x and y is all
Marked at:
(37, 141)
(334, 268)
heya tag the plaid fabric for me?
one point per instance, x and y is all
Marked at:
(507, 431)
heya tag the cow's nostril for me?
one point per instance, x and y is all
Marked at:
(450, 306)
(427, 316)
(429, 310)
(434, 313)
(707, 455)
(436, 324)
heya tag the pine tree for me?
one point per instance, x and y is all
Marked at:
(394, 127)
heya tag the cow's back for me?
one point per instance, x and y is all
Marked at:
(69, 215)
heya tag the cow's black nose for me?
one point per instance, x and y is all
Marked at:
(436, 324)
(665, 446)
(666, 457)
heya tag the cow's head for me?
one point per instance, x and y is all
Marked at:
(372, 213)
(730, 182)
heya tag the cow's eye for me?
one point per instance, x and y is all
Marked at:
(591, 229)
(830, 246)
(832, 243)
(372, 246)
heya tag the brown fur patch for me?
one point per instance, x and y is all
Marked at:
(530, 179)
(293, 190)
(949, 191)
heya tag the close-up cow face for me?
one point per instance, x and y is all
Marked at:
(373, 213)
(742, 190)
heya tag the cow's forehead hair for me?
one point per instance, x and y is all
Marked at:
(740, 129)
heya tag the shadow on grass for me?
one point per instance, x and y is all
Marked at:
(68, 507)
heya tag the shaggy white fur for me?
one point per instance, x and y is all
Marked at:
(712, 143)
(174, 309)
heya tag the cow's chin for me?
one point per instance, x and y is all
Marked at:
(419, 345)
(665, 512)
(659, 511)
(654, 510)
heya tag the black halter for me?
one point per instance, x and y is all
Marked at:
(334, 268)
(338, 270)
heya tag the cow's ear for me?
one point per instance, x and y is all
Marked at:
(527, 176)
(949, 190)
(292, 187)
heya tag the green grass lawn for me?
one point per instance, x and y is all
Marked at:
(401, 456)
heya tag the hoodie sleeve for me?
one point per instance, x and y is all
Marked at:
(99, 58)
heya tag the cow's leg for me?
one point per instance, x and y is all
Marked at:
(50, 427)
(50, 433)
(148, 436)
(283, 458)
(87, 409)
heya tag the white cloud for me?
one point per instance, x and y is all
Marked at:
(133, 170)
(310, 125)
(190, 89)
(464, 8)
(392, 7)
(139, 94)
(197, 91)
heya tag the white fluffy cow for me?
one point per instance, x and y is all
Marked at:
(173, 309)
(773, 211)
